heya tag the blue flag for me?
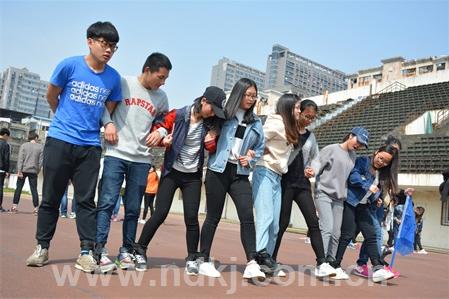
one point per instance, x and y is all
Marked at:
(404, 243)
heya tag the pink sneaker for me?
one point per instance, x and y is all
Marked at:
(396, 273)
(361, 271)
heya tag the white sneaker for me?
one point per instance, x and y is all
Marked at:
(340, 274)
(252, 270)
(106, 265)
(280, 273)
(141, 221)
(208, 269)
(325, 270)
(38, 258)
(422, 251)
(87, 263)
(382, 274)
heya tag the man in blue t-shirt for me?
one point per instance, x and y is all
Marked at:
(79, 90)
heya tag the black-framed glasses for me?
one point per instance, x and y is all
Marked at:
(105, 45)
(309, 117)
(252, 96)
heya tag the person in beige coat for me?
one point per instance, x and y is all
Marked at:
(280, 137)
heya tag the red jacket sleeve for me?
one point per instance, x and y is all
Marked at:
(167, 122)
(211, 145)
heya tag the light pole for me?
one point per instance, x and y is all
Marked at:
(36, 91)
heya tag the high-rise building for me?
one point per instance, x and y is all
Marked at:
(24, 91)
(287, 71)
(226, 72)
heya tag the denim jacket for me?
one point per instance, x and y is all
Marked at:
(253, 139)
(359, 181)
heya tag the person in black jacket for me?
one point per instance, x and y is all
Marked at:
(4, 161)
(190, 134)
(444, 187)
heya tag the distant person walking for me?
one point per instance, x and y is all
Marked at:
(29, 165)
(150, 193)
(4, 161)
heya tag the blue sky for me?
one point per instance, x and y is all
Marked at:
(344, 35)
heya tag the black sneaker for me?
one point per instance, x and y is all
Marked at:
(267, 264)
(192, 268)
(140, 258)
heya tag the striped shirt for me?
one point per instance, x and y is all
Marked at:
(189, 156)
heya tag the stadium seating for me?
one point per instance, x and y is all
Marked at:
(382, 114)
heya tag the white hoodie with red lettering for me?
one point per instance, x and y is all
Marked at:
(133, 118)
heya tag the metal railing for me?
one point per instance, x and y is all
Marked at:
(393, 87)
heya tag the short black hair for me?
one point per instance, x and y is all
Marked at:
(308, 103)
(32, 136)
(104, 30)
(156, 61)
(5, 131)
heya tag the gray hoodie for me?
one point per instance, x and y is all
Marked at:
(336, 165)
(133, 118)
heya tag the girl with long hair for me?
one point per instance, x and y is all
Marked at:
(378, 215)
(183, 169)
(304, 164)
(281, 136)
(228, 169)
(371, 175)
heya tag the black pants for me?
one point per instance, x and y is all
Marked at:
(358, 218)
(190, 185)
(2, 182)
(64, 161)
(32, 179)
(148, 203)
(390, 238)
(239, 188)
(417, 244)
(304, 200)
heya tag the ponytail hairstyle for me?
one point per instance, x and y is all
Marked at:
(285, 107)
(308, 103)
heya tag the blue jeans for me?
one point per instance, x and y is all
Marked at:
(377, 220)
(64, 204)
(267, 203)
(114, 172)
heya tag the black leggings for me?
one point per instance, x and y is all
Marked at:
(148, 203)
(190, 185)
(304, 200)
(355, 218)
(239, 188)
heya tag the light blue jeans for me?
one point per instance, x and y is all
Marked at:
(267, 204)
